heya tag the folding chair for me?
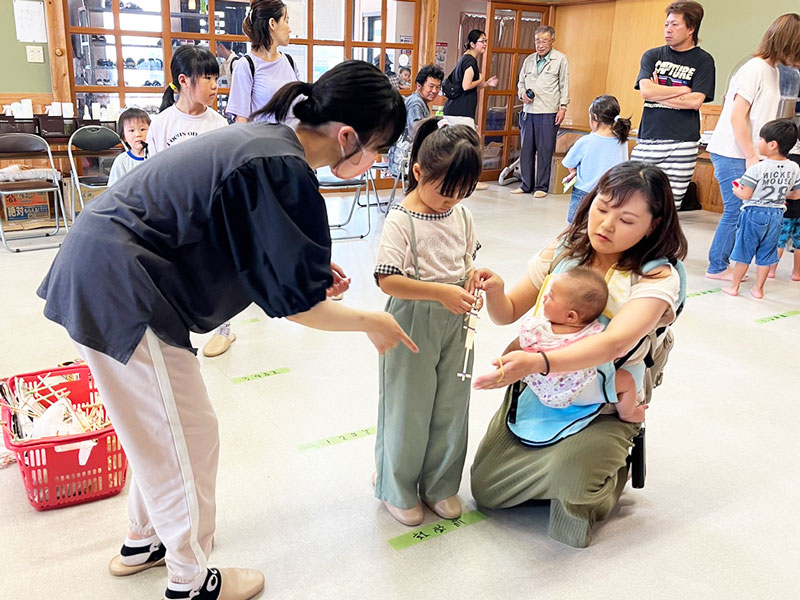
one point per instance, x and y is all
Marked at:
(93, 138)
(328, 181)
(14, 143)
(401, 178)
(382, 206)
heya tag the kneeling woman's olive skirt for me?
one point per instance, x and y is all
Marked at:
(583, 475)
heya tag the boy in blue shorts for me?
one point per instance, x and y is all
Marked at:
(790, 229)
(764, 189)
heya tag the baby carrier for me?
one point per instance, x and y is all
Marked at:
(537, 425)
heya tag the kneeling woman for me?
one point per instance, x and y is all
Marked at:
(203, 230)
(628, 220)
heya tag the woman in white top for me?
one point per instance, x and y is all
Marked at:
(264, 70)
(750, 102)
(194, 73)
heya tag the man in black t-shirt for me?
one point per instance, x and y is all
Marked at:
(675, 80)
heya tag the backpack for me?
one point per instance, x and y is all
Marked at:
(253, 65)
(536, 425)
(450, 88)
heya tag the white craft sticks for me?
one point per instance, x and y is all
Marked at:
(470, 321)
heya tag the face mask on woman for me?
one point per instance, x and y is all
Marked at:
(350, 167)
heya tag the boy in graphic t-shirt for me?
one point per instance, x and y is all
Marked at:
(764, 189)
(675, 80)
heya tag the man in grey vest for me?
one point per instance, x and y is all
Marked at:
(543, 88)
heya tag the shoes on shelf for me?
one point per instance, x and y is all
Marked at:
(130, 63)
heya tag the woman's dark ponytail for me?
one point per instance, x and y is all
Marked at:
(192, 61)
(605, 109)
(472, 38)
(354, 93)
(256, 24)
(449, 155)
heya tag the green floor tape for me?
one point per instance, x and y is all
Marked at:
(789, 313)
(261, 375)
(703, 293)
(436, 529)
(247, 321)
(338, 439)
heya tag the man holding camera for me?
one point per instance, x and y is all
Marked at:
(544, 90)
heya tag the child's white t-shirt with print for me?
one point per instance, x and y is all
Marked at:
(171, 126)
(771, 180)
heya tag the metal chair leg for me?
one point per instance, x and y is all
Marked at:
(350, 216)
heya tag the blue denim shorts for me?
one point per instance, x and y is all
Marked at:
(790, 232)
(757, 236)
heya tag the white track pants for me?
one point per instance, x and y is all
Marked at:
(162, 414)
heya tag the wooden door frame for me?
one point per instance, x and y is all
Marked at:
(548, 14)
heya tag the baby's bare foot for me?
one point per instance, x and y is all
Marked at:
(757, 294)
(731, 291)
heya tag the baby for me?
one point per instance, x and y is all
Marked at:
(575, 300)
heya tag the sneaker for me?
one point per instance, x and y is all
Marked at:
(519, 190)
(130, 63)
(539, 194)
(146, 557)
(448, 508)
(223, 584)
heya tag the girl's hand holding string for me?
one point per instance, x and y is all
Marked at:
(510, 367)
(455, 298)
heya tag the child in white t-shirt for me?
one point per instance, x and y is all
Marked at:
(132, 127)
(194, 79)
(194, 71)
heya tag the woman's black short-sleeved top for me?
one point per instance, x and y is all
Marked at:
(467, 103)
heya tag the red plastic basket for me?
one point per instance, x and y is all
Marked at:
(50, 467)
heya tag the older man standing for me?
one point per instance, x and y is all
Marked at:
(429, 83)
(544, 90)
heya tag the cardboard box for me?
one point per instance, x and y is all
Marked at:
(26, 207)
(88, 196)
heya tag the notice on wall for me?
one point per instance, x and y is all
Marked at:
(440, 56)
(29, 19)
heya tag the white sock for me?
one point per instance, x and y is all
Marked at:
(224, 330)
